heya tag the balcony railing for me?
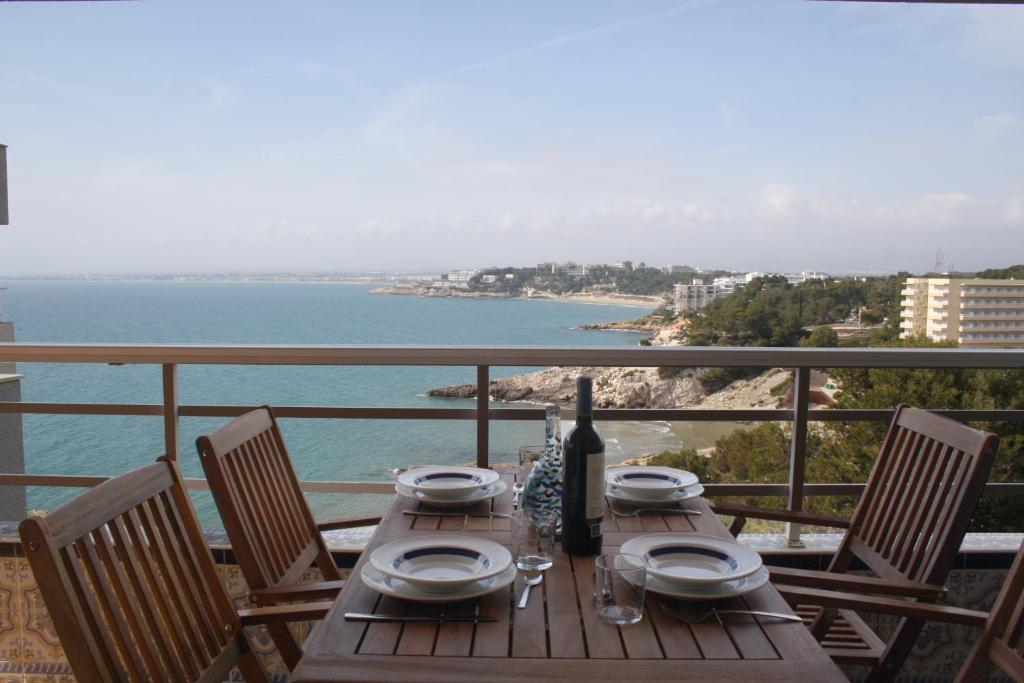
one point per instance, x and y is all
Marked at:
(799, 360)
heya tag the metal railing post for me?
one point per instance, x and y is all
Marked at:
(798, 451)
(483, 391)
(170, 372)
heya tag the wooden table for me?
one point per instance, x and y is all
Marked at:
(559, 636)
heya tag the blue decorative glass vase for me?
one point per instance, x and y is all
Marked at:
(544, 487)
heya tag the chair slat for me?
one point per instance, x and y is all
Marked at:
(128, 602)
(185, 640)
(196, 595)
(264, 510)
(251, 516)
(131, 560)
(74, 564)
(291, 519)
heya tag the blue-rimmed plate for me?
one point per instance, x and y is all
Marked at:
(485, 493)
(389, 585)
(691, 560)
(441, 564)
(615, 493)
(713, 591)
(439, 481)
(648, 481)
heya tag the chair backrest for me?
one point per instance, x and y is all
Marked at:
(919, 498)
(1002, 640)
(131, 587)
(272, 530)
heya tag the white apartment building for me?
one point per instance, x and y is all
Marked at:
(972, 312)
(694, 296)
(569, 268)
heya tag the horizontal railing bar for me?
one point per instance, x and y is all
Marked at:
(499, 414)
(340, 413)
(84, 481)
(640, 356)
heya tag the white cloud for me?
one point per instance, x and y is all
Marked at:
(780, 200)
(993, 127)
(1014, 213)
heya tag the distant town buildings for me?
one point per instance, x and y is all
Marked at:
(972, 312)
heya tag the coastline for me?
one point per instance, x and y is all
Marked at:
(596, 298)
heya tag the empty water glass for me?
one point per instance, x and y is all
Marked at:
(528, 455)
(620, 583)
(533, 538)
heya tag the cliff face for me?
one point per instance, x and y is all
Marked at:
(613, 388)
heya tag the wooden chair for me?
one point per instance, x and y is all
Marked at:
(907, 529)
(131, 587)
(272, 530)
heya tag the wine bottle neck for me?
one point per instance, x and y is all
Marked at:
(584, 400)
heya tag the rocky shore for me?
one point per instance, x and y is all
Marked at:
(628, 388)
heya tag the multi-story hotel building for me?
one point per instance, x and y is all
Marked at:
(972, 312)
(693, 297)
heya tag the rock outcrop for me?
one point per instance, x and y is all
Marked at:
(613, 388)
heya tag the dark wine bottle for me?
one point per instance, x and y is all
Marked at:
(583, 478)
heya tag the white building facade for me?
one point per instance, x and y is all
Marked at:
(972, 312)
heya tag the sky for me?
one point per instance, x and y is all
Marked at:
(190, 136)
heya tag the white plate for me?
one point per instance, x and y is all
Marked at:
(389, 585)
(441, 563)
(647, 481)
(692, 560)
(615, 493)
(486, 493)
(714, 591)
(447, 482)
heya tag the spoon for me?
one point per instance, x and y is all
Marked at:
(530, 583)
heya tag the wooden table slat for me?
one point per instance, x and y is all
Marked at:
(418, 638)
(491, 638)
(564, 632)
(382, 638)
(602, 638)
(529, 634)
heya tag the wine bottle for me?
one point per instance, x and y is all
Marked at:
(582, 478)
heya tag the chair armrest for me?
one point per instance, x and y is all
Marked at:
(856, 584)
(749, 511)
(796, 595)
(348, 523)
(283, 614)
(318, 590)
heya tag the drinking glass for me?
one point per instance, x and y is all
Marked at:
(620, 585)
(528, 455)
(533, 538)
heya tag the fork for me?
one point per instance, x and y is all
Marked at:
(689, 617)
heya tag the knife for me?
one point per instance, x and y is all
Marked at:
(454, 514)
(359, 616)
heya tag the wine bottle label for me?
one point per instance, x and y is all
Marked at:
(595, 485)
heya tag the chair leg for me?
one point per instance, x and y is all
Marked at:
(251, 668)
(900, 646)
(290, 650)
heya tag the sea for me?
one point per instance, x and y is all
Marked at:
(285, 313)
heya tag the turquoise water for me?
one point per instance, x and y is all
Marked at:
(282, 313)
